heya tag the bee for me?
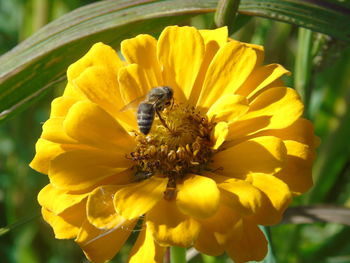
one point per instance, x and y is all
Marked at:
(157, 99)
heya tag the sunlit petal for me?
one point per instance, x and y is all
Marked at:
(198, 196)
(146, 249)
(172, 57)
(57, 201)
(93, 240)
(136, 199)
(276, 108)
(99, 55)
(100, 208)
(142, 51)
(229, 68)
(86, 122)
(170, 227)
(45, 152)
(81, 169)
(263, 154)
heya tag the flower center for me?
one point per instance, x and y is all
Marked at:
(176, 146)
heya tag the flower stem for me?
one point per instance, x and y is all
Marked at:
(270, 258)
(226, 13)
(211, 259)
(177, 255)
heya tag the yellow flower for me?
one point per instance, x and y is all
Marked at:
(228, 153)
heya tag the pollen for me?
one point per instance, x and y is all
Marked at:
(180, 147)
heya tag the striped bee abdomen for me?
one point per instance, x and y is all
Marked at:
(145, 117)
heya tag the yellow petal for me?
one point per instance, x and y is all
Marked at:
(57, 200)
(299, 150)
(100, 208)
(219, 35)
(120, 178)
(276, 108)
(142, 50)
(230, 67)
(45, 152)
(180, 60)
(278, 197)
(146, 249)
(215, 231)
(241, 196)
(102, 245)
(277, 102)
(62, 229)
(220, 134)
(206, 243)
(301, 131)
(213, 40)
(265, 154)
(53, 131)
(198, 196)
(260, 78)
(99, 55)
(61, 105)
(88, 124)
(259, 51)
(73, 92)
(100, 85)
(136, 199)
(67, 224)
(247, 243)
(298, 172)
(170, 227)
(228, 108)
(134, 84)
(81, 169)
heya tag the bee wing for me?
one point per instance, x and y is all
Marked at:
(133, 104)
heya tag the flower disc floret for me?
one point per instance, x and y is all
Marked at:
(182, 146)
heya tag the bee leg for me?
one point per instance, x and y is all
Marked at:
(162, 121)
(172, 103)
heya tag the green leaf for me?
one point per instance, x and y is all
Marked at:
(40, 62)
(332, 122)
(302, 67)
(318, 15)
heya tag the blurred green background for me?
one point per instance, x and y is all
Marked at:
(325, 63)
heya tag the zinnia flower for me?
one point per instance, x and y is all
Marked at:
(228, 154)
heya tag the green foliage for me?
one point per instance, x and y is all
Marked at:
(34, 71)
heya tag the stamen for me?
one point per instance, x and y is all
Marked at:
(178, 144)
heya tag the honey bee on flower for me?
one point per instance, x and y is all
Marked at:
(228, 154)
(157, 99)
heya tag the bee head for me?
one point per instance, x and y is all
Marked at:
(169, 92)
